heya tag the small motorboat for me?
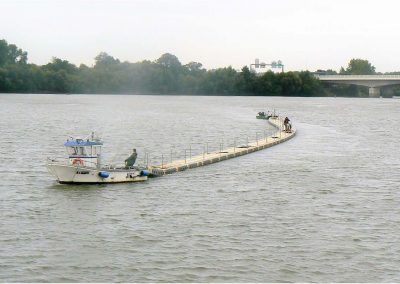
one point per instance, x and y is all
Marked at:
(83, 165)
(263, 115)
(268, 115)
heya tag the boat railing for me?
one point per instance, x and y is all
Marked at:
(67, 162)
(88, 164)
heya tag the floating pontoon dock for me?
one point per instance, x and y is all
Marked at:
(229, 153)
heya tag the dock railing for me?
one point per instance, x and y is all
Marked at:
(198, 154)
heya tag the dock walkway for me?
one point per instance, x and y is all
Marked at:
(214, 157)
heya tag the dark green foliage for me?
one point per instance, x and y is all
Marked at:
(358, 67)
(10, 54)
(166, 75)
(341, 90)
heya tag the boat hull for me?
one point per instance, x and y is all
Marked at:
(67, 174)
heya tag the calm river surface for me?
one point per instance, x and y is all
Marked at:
(322, 207)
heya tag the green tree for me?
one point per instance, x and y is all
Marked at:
(11, 54)
(59, 76)
(221, 81)
(169, 61)
(57, 64)
(105, 60)
(268, 85)
(246, 81)
(169, 73)
(358, 67)
(310, 86)
(194, 67)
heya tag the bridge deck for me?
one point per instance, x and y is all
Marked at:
(358, 77)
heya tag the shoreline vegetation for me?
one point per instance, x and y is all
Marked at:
(166, 76)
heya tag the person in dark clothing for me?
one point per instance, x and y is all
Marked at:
(130, 161)
(286, 123)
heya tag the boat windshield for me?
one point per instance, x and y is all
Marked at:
(71, 151)
(76, 151)
(96, 150)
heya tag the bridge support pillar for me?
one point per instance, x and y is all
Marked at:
(374, 92)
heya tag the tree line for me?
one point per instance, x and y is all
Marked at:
(166, 75)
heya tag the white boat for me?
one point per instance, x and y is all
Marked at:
(83, 165)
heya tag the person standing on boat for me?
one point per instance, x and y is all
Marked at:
(130, 161)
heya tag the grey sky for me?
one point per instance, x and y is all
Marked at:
(308, 34)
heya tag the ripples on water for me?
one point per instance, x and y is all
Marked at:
(323, 207)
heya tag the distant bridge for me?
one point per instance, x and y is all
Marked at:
(374, 82)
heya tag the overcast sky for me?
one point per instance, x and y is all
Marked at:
(304, 34)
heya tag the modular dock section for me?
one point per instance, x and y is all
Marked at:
(229, 153)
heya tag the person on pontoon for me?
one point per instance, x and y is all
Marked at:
(286, 123)
(130, 161)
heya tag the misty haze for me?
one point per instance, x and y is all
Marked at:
(199, 141)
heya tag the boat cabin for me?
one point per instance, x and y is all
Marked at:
(84, 152)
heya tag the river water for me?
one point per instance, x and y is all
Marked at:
(322, 207)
